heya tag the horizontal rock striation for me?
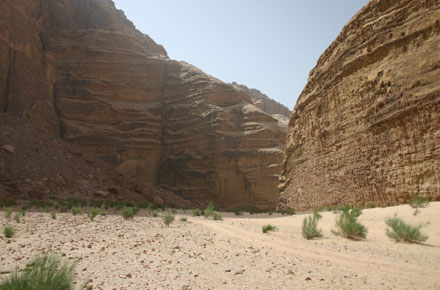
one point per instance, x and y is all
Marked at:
(366, 128)
(115, 92)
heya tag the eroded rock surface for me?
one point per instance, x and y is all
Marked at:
(366, 128)
(265, 103)
(114, 91)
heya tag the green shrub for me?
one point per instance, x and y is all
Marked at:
(75, 202)
(238, 211)
(401, 231)
(154, 214)
(8, 213)
(17, 217)
(128, 212)
(268, 228)
(418, 202)
(217, 217)
(196, 212)
(23, 211)
(8, 231)
(95, 203)
(7, 203)
(76, 210)
(289, 211)
(53, 215)
(143, 205)
(310, 226)
(372, 205)
(96, 211)
(168, 218)
(347, 225)
(208, 211)
(43, 273)
(184, 219)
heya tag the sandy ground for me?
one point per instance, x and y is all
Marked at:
(142, 253)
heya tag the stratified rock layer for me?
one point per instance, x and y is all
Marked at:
(113, 90)
(366, 128)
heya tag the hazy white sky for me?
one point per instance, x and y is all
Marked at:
(270, 45)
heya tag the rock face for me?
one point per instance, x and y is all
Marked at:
(265, 103)
(37, 165)
(113, 90)
(366, 128)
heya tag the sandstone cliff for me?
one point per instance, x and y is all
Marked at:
(263, 102)
(79, 68)
(366, 128)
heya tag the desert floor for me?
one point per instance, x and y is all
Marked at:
(113, 253)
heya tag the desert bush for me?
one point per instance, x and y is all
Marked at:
(154, 214)
(208, 211)
(76, 210)
(418, 202)
(128, 212)
(216, 216)
(143, 204)
(75, 202)
(39, 204)
(401, 231)
(238, 211)
(7, 203)
(310, 226)
(8, 231)
(168, 218)
(196, 212)
(17, 217)
(23, 211)
(8, 213)
(289, 211)
(269, 227)
(347, 225)
(96, 211)
(53, 215)
(43, 273)
(96, 203)
(184, 219)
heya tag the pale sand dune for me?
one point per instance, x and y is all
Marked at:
(229, 254)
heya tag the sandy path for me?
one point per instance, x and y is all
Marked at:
(231, 254)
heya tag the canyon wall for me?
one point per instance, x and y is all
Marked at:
(90, 77)
(366, 128)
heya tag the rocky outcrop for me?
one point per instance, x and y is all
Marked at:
(116, 94)
(366, 128)
(263, 102)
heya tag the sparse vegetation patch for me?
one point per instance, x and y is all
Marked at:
(347, 225)
(9, 232)
(310, 226)
(46, 272)
(168, 218)
(400, 231)
(268, 228)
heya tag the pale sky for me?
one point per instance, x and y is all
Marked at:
(270, 45)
